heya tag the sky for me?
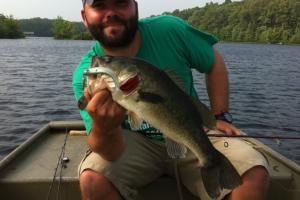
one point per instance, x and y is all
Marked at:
(70, 9)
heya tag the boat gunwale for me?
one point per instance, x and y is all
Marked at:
(40, 180)
(23, 146)
(69, 125)
(259, 146)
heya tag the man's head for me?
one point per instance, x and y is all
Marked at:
(112, 22)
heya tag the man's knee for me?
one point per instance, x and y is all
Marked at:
(257, 176)
(96, 186)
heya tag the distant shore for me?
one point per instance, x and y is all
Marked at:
(221, 41)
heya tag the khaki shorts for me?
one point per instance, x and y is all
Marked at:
(144, 160)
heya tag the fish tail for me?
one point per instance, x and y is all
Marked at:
(220, 176)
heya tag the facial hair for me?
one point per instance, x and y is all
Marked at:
(124, 39)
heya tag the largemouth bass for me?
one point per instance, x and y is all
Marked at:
(151, 95)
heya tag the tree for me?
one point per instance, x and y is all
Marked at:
(10, 28)
(2, 27)
(62, 29)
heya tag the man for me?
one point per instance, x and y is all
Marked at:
(120, 161)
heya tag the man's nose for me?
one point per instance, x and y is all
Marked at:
(110, 12)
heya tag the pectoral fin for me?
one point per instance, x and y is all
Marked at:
(175, 78)
(134, 120)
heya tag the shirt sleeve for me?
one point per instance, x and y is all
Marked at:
(199, 48)
(78, 86)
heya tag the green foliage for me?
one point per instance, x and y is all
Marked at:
(10, 28)
(296, 37)
(63, 29)
(40, 27)
(83, 36)
(79, 28)
(264, 21)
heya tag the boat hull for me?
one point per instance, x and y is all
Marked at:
(27, 172)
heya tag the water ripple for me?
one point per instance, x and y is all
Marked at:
(36, 77)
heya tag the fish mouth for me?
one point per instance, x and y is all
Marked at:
(130, 85)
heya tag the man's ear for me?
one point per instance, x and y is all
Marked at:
(83, 17)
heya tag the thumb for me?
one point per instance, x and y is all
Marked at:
(83, 100)
(86, 94)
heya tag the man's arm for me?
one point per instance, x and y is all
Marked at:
(218, 91)
(105, 137)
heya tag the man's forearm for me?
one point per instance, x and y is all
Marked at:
(218, 86)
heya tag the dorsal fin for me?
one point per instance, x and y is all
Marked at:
(175, 78)
(208, 118)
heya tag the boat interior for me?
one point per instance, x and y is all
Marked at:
(28, 172)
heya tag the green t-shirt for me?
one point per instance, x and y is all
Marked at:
(168, 43)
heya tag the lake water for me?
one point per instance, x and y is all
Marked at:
(36, 75)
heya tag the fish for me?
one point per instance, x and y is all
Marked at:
(152, 95)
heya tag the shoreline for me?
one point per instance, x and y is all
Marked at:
(220, 42)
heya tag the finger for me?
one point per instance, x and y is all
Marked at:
(83, 100)
(232, 130)
(228, 131)
(86, 94)
(114, 108)
(119, 110)
(236, 131)
(205, 129)
(98, 101)
(226, 128)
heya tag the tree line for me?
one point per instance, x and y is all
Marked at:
(63, 29)
(57, 28)
(264, 21)
(42, 27)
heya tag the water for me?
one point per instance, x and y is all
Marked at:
(36, 75)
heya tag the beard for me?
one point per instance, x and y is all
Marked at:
(121, 39)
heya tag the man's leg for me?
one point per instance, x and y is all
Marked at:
(140, 163)
(91, 181)
(250, 164)
(255, 185)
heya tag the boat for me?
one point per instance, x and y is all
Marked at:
(32, 170)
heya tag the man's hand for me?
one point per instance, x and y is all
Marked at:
(107, 115)
(227, 128)
(106, 136)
